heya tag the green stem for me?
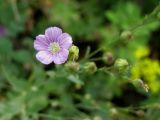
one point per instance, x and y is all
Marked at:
(31, 78)
(87, 52)
(8, 77)
(94, 52)
(15, 9)
(131, 109)
(96, 59)
(152, 17)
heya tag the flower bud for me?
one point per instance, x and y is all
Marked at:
(140, 113)
(72, 66)
(114, 112)
(121, 65)
(86, 119)
(108, 58)
(87, 96)
(126, 35)
(90, 68)
(97, 118)
(34, 88)
(142, 84)
(73, 53)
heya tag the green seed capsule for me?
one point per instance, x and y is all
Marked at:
(121, 65)
(72, 66)
(90, 68)
(73, 53)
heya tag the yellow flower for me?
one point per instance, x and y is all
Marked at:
(154, 86)
(135, 72)
(142, 52)
(149, 70)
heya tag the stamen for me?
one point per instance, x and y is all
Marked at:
(54, 47)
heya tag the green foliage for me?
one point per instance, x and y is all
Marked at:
(89, 88)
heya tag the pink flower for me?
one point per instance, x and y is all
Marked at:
(2, 30)
(53, 46)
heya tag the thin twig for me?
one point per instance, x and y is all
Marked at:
(15, 9)
(96, 59)
(94, 52)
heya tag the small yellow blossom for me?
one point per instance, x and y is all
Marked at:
(149, 70)
(142, 52)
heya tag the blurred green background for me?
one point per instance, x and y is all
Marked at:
(128, 29)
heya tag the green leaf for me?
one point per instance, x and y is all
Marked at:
(5, 47)
(22, 56)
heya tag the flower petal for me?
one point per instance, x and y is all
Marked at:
(52, 33)
(41, 43)
(61, 57)
(65, 40)
(44, 57)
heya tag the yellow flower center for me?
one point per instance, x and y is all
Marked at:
(54, 47)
